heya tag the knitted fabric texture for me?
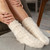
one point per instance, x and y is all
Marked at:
(31, 26)
(23, 36)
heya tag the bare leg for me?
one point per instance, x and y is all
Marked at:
(28, 22)
(18, 12)
(22, 35)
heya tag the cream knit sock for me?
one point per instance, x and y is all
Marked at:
(23, 36)
(31, 26)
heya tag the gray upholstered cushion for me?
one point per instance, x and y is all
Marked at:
(9, 42)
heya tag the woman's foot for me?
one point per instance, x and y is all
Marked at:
(23, 36)
(31, 26)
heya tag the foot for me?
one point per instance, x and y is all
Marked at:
(31, 26)
(23, 36)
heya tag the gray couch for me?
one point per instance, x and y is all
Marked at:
(9, 42)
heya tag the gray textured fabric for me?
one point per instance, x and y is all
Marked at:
(9, 42)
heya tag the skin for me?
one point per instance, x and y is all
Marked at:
(5, 14)
(17, 9)
(18, 12)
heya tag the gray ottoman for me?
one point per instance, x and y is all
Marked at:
(45, 47)
(9, 42)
